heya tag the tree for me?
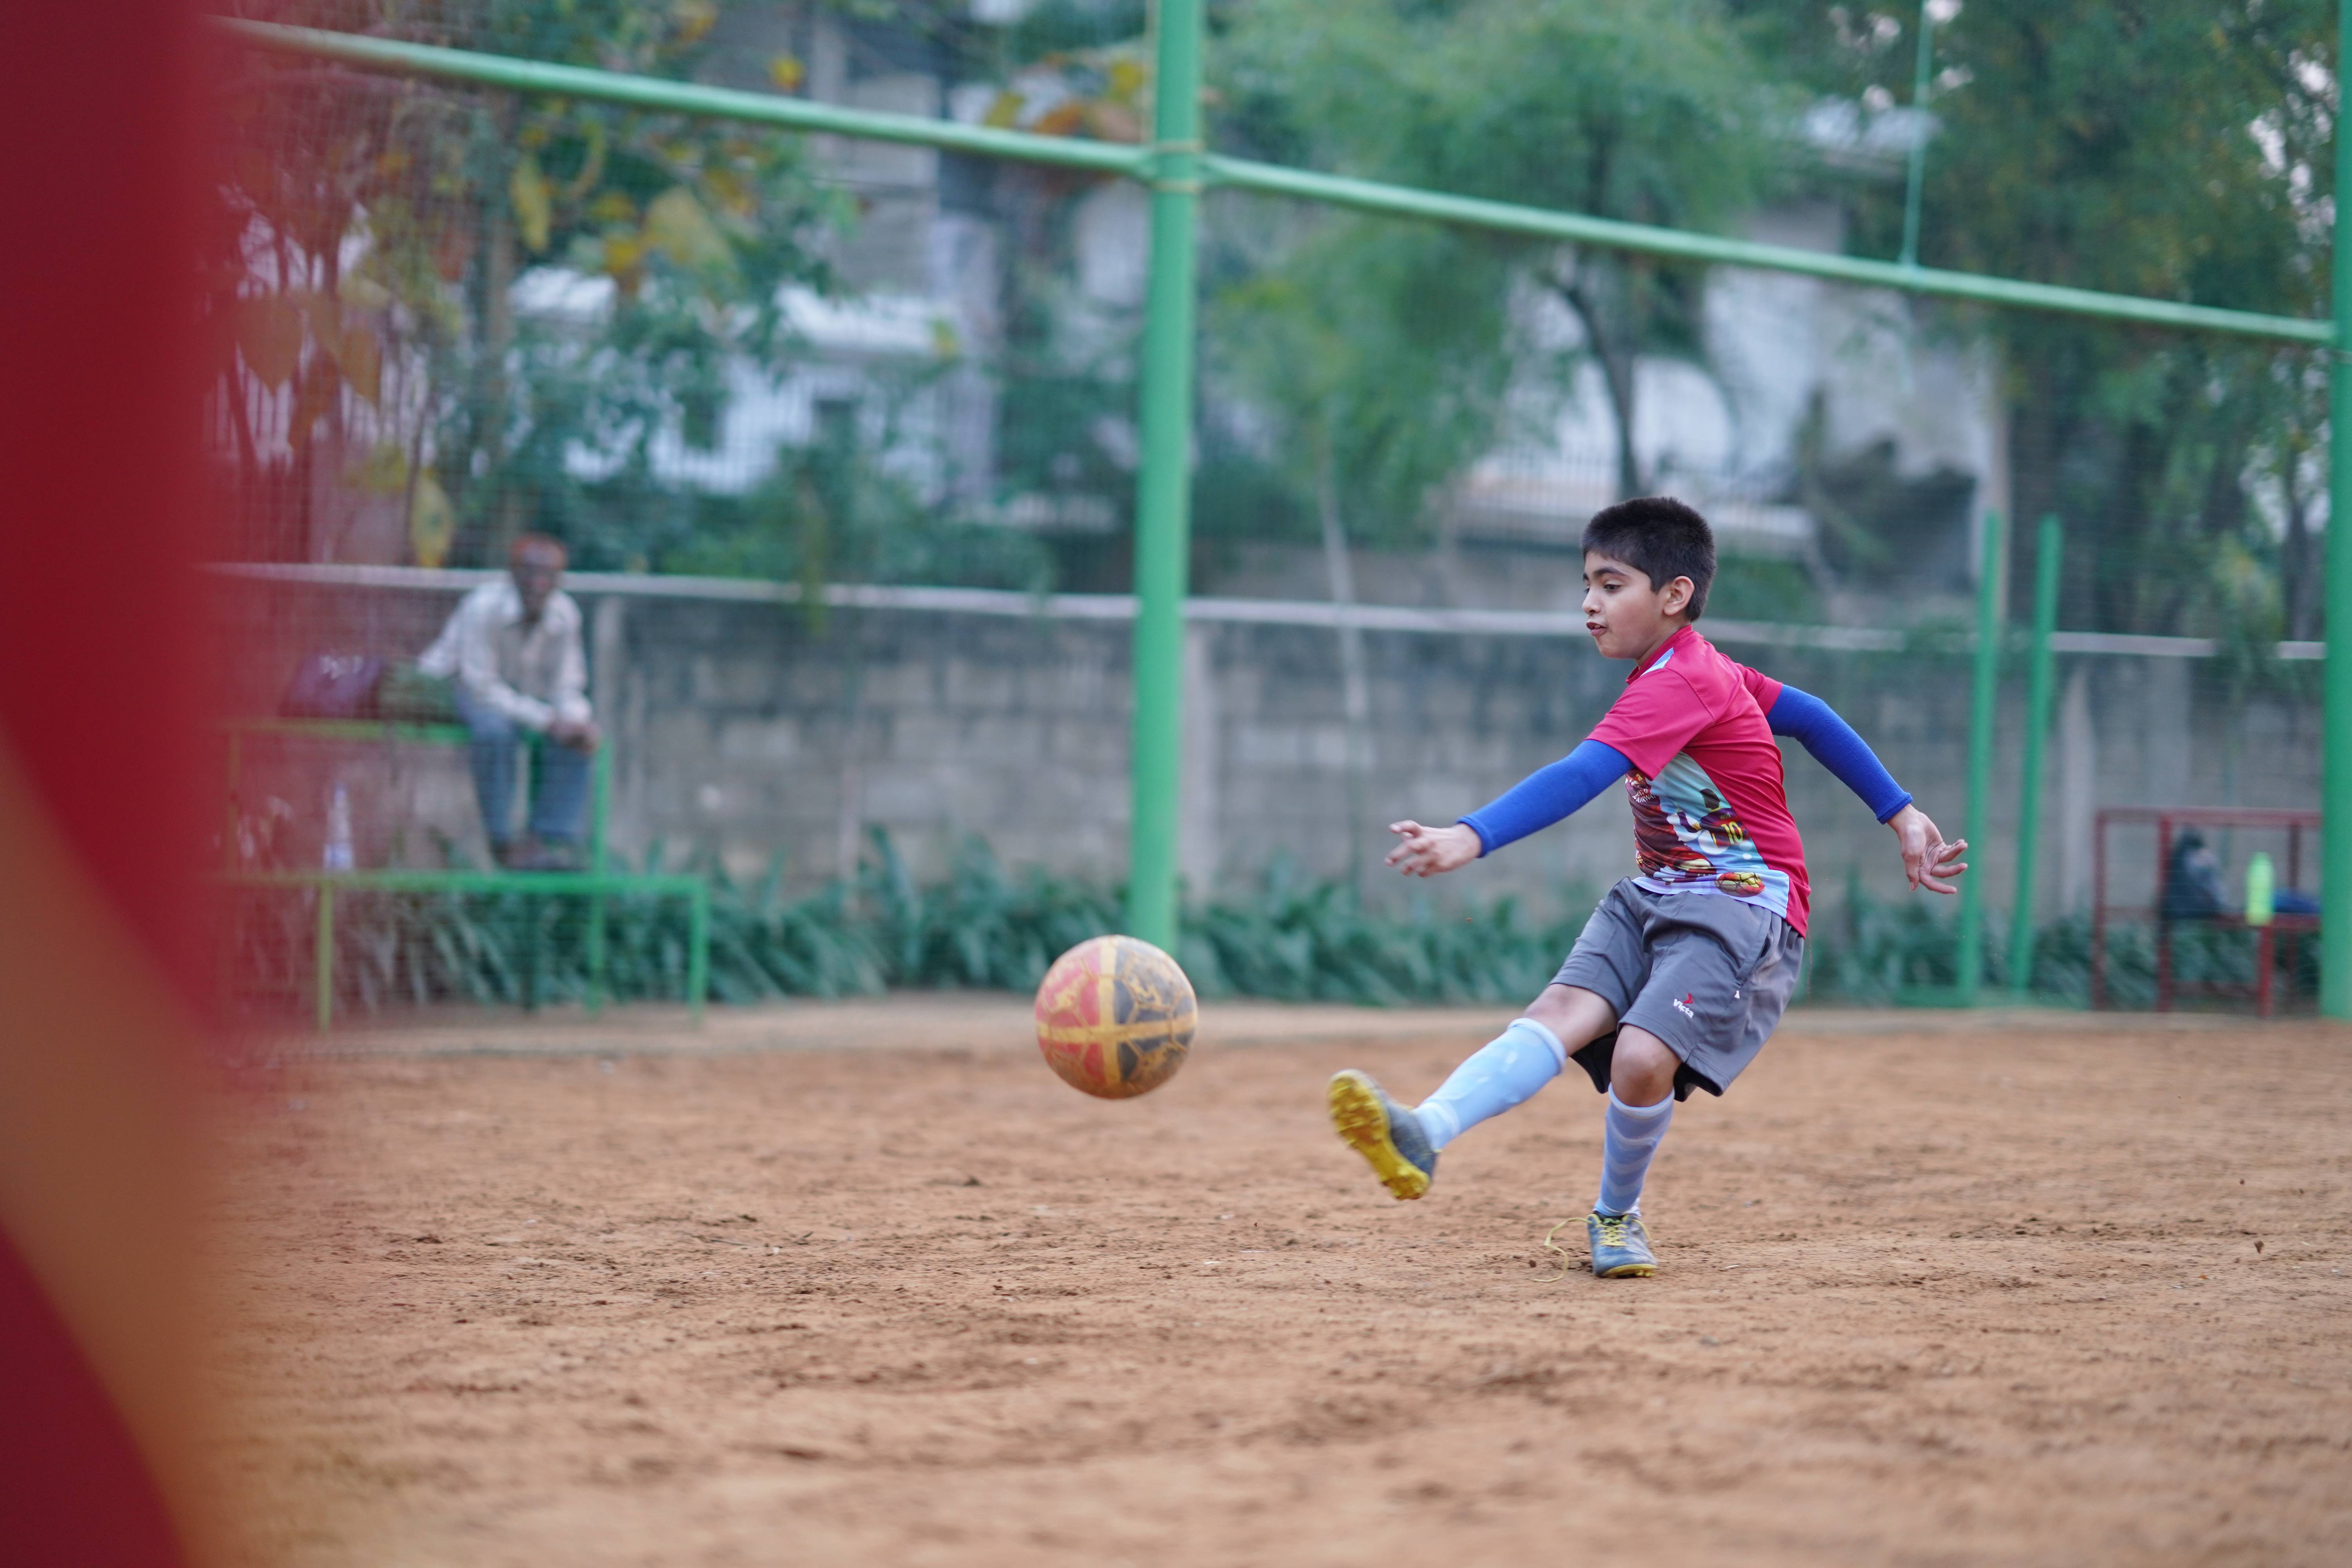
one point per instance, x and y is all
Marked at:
(371, 231)
(2162, 148)
(1646, 110)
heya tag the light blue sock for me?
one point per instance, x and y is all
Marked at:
(1628, 1137)
(1503, 1071)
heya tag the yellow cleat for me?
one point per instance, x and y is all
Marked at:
(1385, 1134)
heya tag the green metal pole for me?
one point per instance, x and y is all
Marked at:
(533, 937)
(1163, 489)
(2335, 769)
(2042, 679)
(1918, 173)
(325, 958)
(666, 95)
(697, 950)
(599, 817)
(1683, 245)
(1980, 714)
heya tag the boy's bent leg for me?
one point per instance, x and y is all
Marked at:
(1505, 1071)
(1642, 1068)
(1574, 1015)
(1640, 1105)
(1580, 1005)
(1720, 974)
(1603, 977)
(1402, 1145)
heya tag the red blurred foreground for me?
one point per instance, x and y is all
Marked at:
(101, 714)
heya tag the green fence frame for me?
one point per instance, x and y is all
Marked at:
(1177, 166)
(597, 884)
(1984, 697)
(2041, 681)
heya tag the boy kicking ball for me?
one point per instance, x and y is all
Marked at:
(1684, 970)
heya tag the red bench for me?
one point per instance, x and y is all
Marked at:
(2284, 928)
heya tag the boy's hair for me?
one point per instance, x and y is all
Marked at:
(1661, 538)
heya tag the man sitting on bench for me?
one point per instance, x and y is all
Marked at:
(512, 655)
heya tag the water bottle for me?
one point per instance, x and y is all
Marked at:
(337, 855)
(2261, 889)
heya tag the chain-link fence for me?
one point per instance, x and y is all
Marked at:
(703, 354)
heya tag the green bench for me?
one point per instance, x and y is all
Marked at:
(596, 883)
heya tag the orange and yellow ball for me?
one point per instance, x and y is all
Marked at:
(1115, 1017)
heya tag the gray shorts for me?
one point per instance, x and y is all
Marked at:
(1707, 974)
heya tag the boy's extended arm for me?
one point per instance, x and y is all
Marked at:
(1535, 803)
(1814, 725)
(1929, 862)
(1546, 796)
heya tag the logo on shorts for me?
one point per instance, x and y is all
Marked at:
(1684, 1006)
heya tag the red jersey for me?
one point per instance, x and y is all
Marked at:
(1710, 807)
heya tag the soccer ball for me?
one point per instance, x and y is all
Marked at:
(1115, 1017)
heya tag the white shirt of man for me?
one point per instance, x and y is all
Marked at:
(533, 674)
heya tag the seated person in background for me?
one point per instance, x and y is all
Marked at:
(512, 655)
(2192, 882)
(2193, 890)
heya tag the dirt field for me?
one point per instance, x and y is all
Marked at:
(866, 1284)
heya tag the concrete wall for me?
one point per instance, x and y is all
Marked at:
(745, 729)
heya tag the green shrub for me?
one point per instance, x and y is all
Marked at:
(1286, 938)
(1869, 950)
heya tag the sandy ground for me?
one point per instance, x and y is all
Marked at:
(866, 1284)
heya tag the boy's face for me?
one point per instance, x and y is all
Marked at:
(1625, 615)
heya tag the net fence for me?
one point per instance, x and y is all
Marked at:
(784, 397)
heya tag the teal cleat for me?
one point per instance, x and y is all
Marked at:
(1621, 1246)
(1385, 1134)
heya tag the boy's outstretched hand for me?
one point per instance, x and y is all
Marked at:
(1428, 851)
(1927, 860)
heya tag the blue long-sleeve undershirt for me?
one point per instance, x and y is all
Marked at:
(1558, 791)
(1546, 796)
(1814, 725)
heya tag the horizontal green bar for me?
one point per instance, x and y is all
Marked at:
(1268, 179)
(352, 730)
(1369, 196)
(423, 881)
(688, 97)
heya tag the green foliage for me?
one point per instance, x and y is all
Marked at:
(1387, 403)
(1297, 940)
(1874, 952)
(2175, 150)
(830, 513)
(1643, 109)
(372, 232)
(1748, 589)
(981, 927)
(1389, 348)
(1057, 26)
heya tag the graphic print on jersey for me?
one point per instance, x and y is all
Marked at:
(1710, 807)
(1685, 835)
